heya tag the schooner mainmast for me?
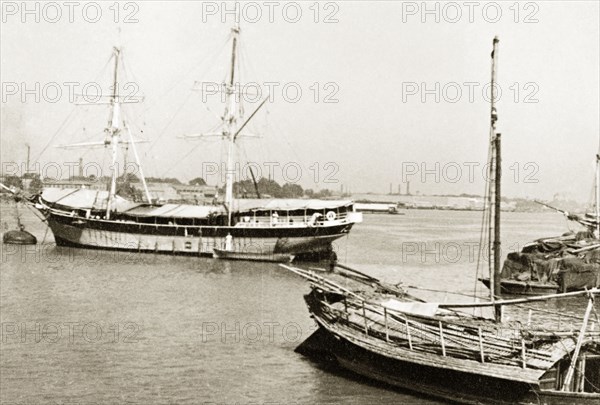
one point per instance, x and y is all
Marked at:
(229, 132)
(229, 120)
(115, 137)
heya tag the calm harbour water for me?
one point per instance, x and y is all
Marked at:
(85, 326)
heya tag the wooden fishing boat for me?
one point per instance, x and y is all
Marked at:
(562, 263)
(252, 256)
(381, 332)
(384, 334)
(550, 265)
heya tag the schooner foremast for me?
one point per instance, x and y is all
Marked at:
(113, 135)
(114, 132)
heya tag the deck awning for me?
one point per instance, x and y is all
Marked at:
(288, 204)
(176, 211)
(84, 199)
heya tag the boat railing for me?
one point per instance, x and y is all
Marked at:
(447, 334)
(478, 340)
(435, 335)
(290, 221)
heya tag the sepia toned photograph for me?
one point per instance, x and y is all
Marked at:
(300, 202)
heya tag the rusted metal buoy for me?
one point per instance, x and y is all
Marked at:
(19, 237)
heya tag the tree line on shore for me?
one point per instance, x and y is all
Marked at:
(242, 189)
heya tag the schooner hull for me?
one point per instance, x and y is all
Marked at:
(191, 240)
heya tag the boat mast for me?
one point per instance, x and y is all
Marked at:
(229, 121)
(598, 195)
(28, 153)
(495, 285)
(497, 249)
(114, 133)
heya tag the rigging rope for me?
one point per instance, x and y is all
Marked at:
(73, 110)
(484, 225)
(181, 160)
(60, 128)
(176, 83)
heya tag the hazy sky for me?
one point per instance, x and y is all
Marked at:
(408, 89)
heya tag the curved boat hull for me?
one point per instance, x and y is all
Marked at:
(452, 385)
(191, 240)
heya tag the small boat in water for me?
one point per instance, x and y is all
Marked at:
(519, 287)
(564, 263)
(377, 208)
(551, 265)
(252, 256)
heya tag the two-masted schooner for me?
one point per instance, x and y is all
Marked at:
(263, 227)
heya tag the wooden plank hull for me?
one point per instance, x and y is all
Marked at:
(533, 288)
(428, 380)
(452, 385)
(418, 346)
